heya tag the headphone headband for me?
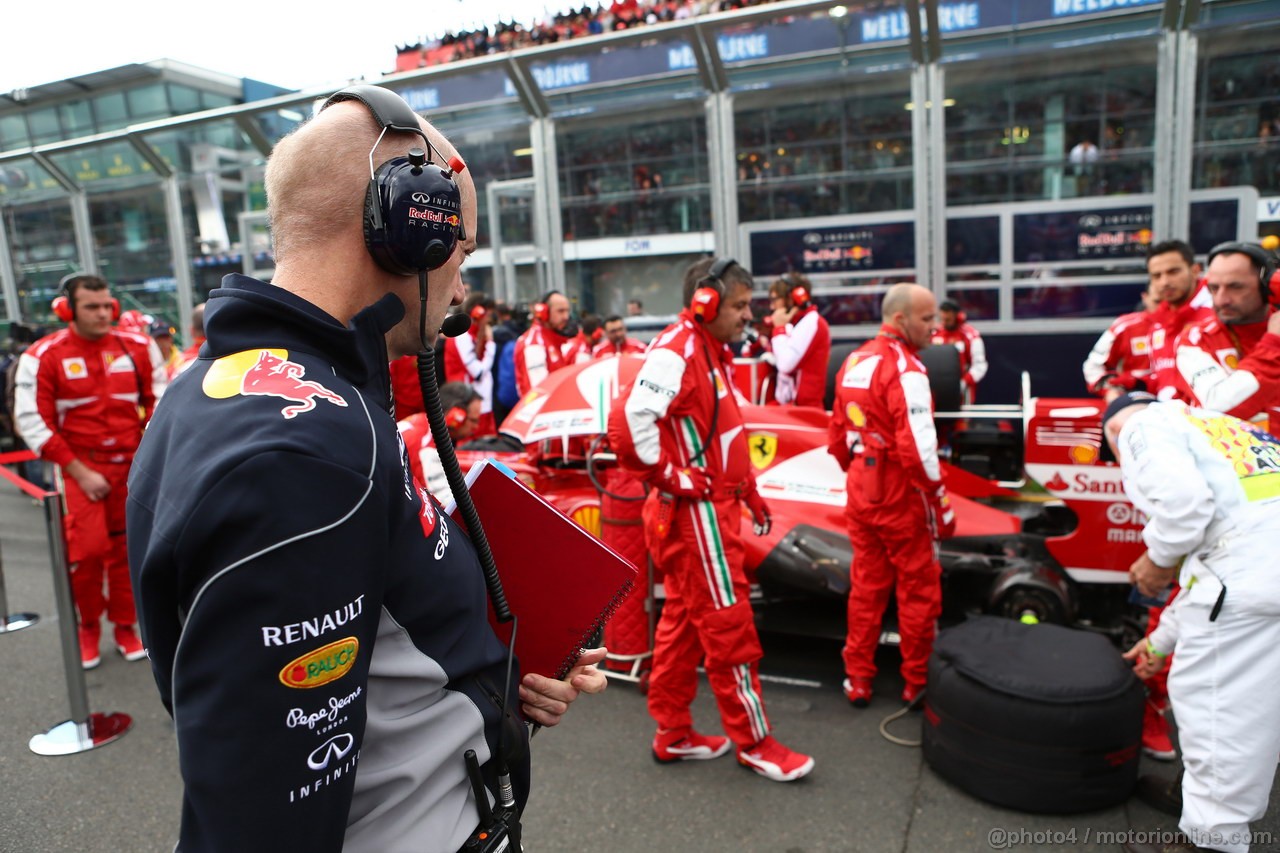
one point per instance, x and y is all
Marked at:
(389, 110)
(720, 267)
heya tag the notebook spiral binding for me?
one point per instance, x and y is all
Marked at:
(596, 627)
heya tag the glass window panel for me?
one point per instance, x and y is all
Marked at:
(13, 132)
(978, 304)
(44, 125)
(148, 102)
(212, 100)
(111, 111)
(815, 152)
(184, 99)
(1017, 130)
(1237, 128)
(42, 242)
(77, 119)
(639, 174)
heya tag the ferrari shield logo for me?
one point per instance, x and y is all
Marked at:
(764, 447)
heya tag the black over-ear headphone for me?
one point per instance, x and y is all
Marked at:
(413, 207)
(705, 303)
(1264, 260)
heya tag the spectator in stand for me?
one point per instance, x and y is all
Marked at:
(801, 342)
(83, 396)
(1231, 362)
(541, 350)
(1173, 274)
(469, 357)
(1121, 359)
(954, 329)
(615, 341)
(635, 308)
(461, 404)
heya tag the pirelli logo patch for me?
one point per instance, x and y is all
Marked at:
(319, 667)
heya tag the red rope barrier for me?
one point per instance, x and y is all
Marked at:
(24, 485)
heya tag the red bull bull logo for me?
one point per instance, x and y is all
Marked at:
(451, 221)
(267, 373)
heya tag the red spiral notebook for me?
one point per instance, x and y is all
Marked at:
(561, 582)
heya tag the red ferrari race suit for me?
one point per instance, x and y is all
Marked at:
(1122, 356)
(465, 362)
(405, 386)
(86, 400)
(680, 403)
(973, 356)
(606, 348)
(539, 352)
(1234, 369)
(882, 431)
(802, 349)
(1167, 323)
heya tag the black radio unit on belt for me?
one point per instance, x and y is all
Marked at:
(499, 828)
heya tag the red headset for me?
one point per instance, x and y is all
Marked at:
(455, 417)
(478, 313)
(705, 304)
(799, 296)
(542, 312)
(64, 307)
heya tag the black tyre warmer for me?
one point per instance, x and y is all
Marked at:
(1039, 718)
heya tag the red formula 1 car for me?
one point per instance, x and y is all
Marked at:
(1042, 534)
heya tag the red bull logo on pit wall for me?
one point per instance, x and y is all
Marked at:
(267, 373)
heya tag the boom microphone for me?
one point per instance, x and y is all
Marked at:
(454, 325)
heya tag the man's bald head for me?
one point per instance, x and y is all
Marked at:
(912, 310)
(318, 175)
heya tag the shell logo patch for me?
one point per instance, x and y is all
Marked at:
(74, 368)
(319, 667)
(855, 416)
(1140, 346)
(763, 447)
(1084, 454)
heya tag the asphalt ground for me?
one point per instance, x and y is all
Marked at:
(596, 785)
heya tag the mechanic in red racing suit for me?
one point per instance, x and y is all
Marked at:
(540, 351)
(882, 432)
(1230, 363)
(680, 429)
(83, 395)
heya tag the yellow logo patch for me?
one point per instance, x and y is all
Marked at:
(226, 376)
(763, 447)
(856, 418)
(1084, 454)
(319, 667)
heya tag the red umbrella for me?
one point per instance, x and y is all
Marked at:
(573, 401)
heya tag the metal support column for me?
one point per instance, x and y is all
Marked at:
(83, 225)
(920, 170)
(723, 166)
(1167, 74)
(1183, 135)
(84, 731)
(178, 248)
(936, 188)
(8, 278)
(548, 228)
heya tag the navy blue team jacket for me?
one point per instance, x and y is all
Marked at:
(316, 627)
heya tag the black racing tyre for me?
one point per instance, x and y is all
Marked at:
(943, 364)
(838, 354)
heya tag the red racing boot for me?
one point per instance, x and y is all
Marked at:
(858, 691)
(90, 641)
(1155, 734)
(687, 745)
(774, 761)
(128, 643)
